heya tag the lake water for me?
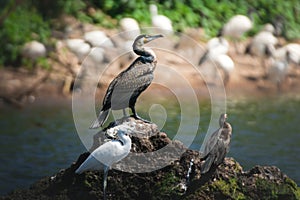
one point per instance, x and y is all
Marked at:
(40, 140)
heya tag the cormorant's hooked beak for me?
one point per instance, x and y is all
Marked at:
(149, 38)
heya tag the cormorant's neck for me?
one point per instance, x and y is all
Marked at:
(145, 55)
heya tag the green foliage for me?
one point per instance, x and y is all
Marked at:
(33, 18)
(19, 27)
(209, 14)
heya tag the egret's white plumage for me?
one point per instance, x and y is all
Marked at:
(98, 39)
(130, 27)
(79, 47)
(160, 21)
(279, 70)
(226, 64)
(263, 44)
(108, 154)
(236, 27)
(214, 47)
(218, 45)
(294, 51)
(217, 49)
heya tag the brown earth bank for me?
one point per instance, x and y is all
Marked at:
(168, 181)
(176, 70)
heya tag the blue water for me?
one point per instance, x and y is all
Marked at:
(39, 140)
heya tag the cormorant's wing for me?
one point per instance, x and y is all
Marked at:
(211, 141)
(215, 156)
(131, 83)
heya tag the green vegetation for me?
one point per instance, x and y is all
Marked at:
(228, 189)
(22, 21)
(276, 191)
(162, 188)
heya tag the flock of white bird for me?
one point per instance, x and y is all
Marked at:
(263, 45)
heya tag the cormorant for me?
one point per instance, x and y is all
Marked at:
(217, 145)
(124, 90)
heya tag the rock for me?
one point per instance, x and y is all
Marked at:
(98, 39)
(227, 181)
(34, 50)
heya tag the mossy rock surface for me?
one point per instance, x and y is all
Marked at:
(226, 181)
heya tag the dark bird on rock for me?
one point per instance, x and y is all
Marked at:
(124, 90)
(217, 145)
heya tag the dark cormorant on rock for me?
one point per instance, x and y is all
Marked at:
(217, 145)
(124, 90)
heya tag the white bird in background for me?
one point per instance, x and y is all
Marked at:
(294, 51)
(130, 27)
(218, 45)
(236, 27)
(217, 49)
(279, 70)
(160, 21)
(98, 39)
(215, 46)
(263, 45)
(79, 47)
(226, 64)
(107, 154)
(217, 145)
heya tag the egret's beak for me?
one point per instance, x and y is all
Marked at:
(151, 37)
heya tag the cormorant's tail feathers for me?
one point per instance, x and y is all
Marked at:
(103, 115)
(207, 164)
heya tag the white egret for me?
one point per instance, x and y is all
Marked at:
(226, 64)
(294, 51)
(130, 27)
(98, 39)
(160, 21)
(236, 27)
(217, 145)
(215, 46)
(278, 70)
(263, 45)
(216, 51)
(79, 47)
(107, 154)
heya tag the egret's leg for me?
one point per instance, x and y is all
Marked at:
(106, 168)
(135, 115)
(226, 78)
(236, 46)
